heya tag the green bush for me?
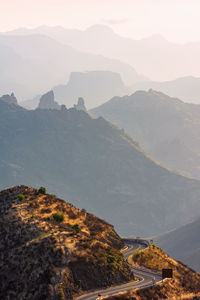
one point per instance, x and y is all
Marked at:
(58, 217)
(21, 197)
(114, 260)
(76, 228)
(42, 190)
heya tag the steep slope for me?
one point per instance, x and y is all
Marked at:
(95, 166)
(183, 243)
(153, 56)
(183, 285)
(185, 88)
(49, 63)
(52, 250)
(166, 128)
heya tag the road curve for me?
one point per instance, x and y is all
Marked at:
(145, 276)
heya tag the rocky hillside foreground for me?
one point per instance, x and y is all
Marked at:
(51, 250)
(185, 283)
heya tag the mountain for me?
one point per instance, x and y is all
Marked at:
(183, 243)
(183, 285)
(95, 166)
(38, 63)
(166, 128)
(94, 86)
(51, 250)
(153, 56)
(185, 88)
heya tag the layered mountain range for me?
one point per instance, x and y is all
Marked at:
(166, 128)
(153, 56)
(94, 165)
(33, 64)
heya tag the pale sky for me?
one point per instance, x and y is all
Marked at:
(176, 20)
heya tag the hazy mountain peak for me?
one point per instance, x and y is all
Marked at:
(99, 28)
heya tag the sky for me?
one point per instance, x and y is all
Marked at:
(176, 20)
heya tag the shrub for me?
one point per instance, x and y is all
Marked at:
(114, 259)
(42, 190)
(21, 197)
(58, 217)
(76, 228)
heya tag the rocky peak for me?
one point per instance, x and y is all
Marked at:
(10, 99)
(80, 105)
(47, 101)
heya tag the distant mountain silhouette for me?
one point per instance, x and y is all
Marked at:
(183, 243)
(94, 86)
(48, 63)
(154, 56)
(166, 128)
(95, 166)
(185, 88)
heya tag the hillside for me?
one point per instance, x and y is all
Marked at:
(166, 128)
(185, 88)
(183, 243)
(154, 56)
(48, 63)
(95, 166)
(51, 250)
(183, 285)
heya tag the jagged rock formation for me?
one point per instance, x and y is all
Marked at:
(47, 101)
(44, 257)
(80, 105)
(10, 99)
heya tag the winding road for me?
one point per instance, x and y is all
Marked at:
(145, 276)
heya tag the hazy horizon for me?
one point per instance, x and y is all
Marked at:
(177, 21)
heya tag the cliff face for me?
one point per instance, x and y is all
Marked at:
(50, 249)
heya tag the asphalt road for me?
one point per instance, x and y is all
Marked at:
(145, 276)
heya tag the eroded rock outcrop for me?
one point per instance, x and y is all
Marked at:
(80, 105)
(47, 101)
(10, 99)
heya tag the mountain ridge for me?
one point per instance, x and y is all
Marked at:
(96, 166)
